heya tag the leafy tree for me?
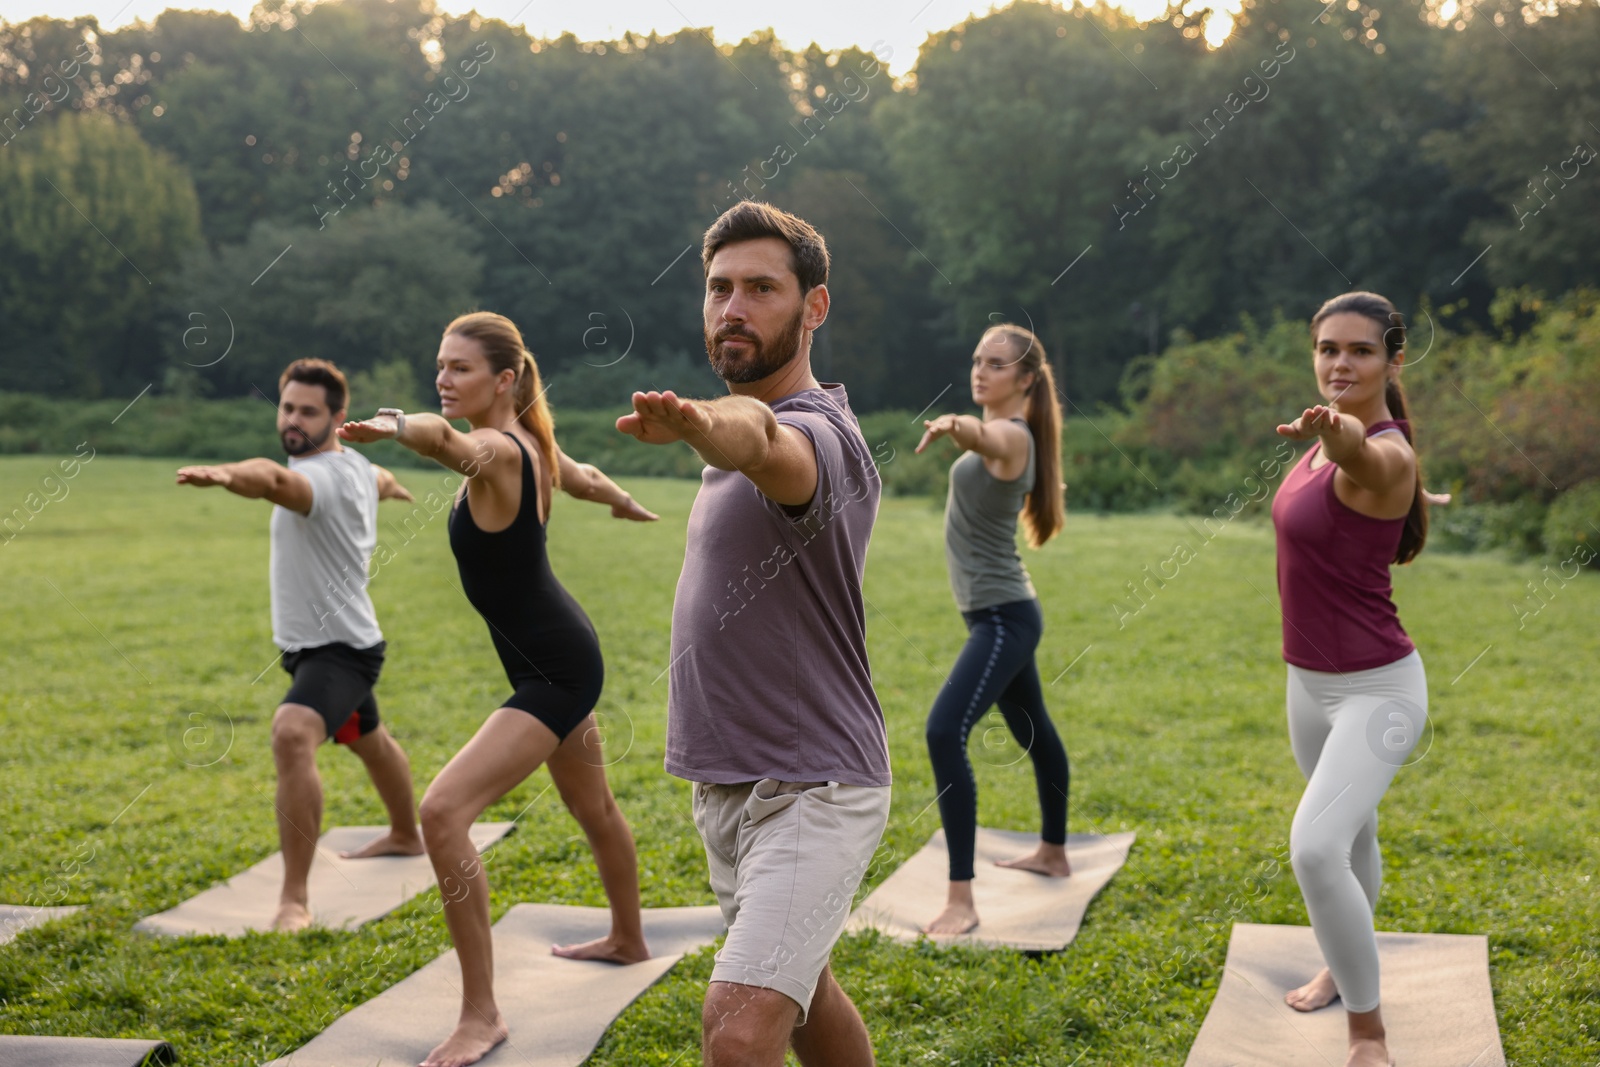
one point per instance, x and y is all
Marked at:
(607, 165)
(271, 118)
(1027, 169)
(1529, 135)
(1014, 139)
(1317, 186)
(91, 222)
(377, 288)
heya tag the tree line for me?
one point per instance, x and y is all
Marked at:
(188, 203)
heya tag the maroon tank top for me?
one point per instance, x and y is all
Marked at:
(1333, 573)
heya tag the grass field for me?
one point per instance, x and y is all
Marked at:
(137, 772)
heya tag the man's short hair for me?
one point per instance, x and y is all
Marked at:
(318, 372)
(750, 220)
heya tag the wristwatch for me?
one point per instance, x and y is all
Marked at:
(399, 420)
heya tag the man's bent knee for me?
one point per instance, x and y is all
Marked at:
(296, 730)
(731, 1047)
(744, 1024)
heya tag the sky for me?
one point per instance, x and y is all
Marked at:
(901, 24)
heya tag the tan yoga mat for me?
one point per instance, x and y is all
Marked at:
(1437, 1004)
(1016, 909)
(557, 1010)
(15, 918)
(82, 1052)
(344, 893)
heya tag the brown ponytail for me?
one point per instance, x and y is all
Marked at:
(1044, 511)
(1381, 311)
(502, 346)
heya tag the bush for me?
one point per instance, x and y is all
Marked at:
(1509, 417)
(1221, 398)
(1494, 417)
(150, 426)
(1517, 527)
(1572, 526)
(892, 437)
(1102, 476)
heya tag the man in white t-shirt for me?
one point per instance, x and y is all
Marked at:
(324, 529)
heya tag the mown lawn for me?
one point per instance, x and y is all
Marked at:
(137, 772)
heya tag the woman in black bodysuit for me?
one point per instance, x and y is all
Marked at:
(545, 641)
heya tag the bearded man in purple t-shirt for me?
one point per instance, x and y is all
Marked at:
(771, 712)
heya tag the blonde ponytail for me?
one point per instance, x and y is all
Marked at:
(533, 411)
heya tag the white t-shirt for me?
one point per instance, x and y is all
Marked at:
(319, 561)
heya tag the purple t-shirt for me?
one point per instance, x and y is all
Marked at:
(769, 675)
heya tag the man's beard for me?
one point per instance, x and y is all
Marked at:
(763, 360)
(296, 442)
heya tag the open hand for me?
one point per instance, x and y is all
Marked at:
(632, 509)
(398, 492)
(203, 477)
(1319, 421)
(661, 418)
(365, 431)
(939, 427)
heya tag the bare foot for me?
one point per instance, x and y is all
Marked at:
(1046, 859)
(1368, 1052)
(609, 949)
(470, 1042)
(1317, 993)
(292, 916)
(954, 919)
(390, 844)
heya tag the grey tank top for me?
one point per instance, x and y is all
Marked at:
(980, 533)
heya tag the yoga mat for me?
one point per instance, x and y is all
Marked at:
(557, 1010)
(82, 1052)
(344, 893)
(1016, 909)
(1438, 1008)
(15, 918)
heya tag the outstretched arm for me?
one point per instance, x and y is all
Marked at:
(255, 479)
(585, 481)
(1002, 443)
(733, 433)
(1380, 465)
(389, 487)
(432, 436)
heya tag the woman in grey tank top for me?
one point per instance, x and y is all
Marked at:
(1011, 463)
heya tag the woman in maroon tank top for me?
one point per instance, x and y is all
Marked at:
(1357, 693)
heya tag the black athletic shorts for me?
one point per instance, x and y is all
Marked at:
(336, 682)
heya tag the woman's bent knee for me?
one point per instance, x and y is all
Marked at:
(593, 813)
(943, 737)
(441, 817)
(1318, 862)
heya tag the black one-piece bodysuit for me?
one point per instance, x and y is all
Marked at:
(545, 641)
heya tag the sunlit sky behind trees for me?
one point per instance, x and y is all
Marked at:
(902, 24)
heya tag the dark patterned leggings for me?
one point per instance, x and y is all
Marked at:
(995, 666)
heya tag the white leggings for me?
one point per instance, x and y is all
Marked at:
(1350, 732)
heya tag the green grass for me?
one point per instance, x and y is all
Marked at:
(137, 772)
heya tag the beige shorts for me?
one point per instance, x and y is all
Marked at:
(785, 860)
